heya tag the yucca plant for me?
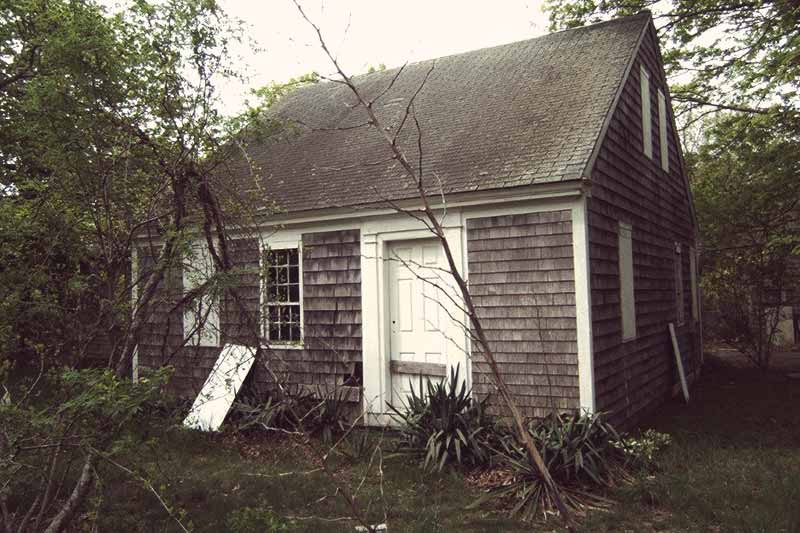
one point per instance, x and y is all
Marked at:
(582, 455)
(329, 416)
(444, 424)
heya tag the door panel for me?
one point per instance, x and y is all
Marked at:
(420, 324)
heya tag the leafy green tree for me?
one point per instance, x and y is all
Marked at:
(108, 129)
(746, 184)
(740, 55)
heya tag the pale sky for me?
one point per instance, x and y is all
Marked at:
(366, 33)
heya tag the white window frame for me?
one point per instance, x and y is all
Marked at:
(680, 297)
(299, 344)
(627, 298)
(694, 288)
(647, 128)
(203, 268)
(662, 130)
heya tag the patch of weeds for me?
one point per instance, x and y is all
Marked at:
(256, 520)
(324, 415)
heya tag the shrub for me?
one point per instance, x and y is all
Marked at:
(640, 451)
(581, 453)
(445, 424)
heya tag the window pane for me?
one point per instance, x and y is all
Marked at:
(280, 257)
(282, 286)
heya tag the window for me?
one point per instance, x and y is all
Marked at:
(693, 277)
(282, 296)
(627, 301)
(647, 133)
(662, 130)
(679, 310)
(201, 315)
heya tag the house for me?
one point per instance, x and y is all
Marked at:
(564, 198)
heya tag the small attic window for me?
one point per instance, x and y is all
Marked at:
(662, 130)
(627, 301)
(647, 133)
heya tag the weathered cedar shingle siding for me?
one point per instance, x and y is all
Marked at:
(521, 276)
(332, 308)
(331, 353)
(161, 343)
(635, 376)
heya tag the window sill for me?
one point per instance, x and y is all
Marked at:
(628, 339)
(278, 346)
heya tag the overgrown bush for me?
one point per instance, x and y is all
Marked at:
(296, 410)
(66, 426)
(582, 454)
(445, 424)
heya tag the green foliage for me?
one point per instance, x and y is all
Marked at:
(641, 450)
(581, 452)
(86, 413)
(107, 120)
(735, 54)
(253, 124)
(746, 185)
(256, 520)
(445, 424)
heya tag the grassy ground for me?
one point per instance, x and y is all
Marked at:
(734, 465)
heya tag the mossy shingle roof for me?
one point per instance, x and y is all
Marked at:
(517, 114)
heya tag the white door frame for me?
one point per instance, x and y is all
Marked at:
(376, 335)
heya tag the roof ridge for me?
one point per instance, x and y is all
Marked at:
(617, 20)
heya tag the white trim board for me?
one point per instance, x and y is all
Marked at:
(219, 391)
(583, 305)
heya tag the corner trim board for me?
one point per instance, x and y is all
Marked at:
(583, 305)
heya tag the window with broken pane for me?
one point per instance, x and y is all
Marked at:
(282, 296)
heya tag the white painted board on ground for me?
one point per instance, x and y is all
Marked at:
(679, 362)
(219, 391)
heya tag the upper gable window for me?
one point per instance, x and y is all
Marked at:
(282, 296)
(627, 301)
(201, 316)
(647, 134)
(662, 130)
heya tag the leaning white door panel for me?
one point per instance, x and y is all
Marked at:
(219, 391)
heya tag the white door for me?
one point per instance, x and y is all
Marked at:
(423, 321)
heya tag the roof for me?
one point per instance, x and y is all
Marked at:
(511, 115)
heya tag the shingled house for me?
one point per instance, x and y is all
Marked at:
(567, 206)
